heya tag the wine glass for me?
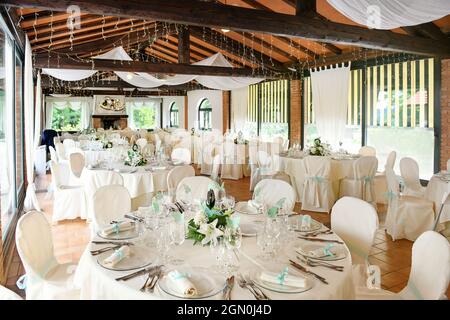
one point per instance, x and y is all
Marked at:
(177, 233)
(163, 242)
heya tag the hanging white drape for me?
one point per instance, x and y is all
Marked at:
(239, 102)
(132, 104)
(85, 104)
(145, 80)
(391, 14)
(31, 201)
(330, 98)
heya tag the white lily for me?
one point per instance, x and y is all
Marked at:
(210, 231)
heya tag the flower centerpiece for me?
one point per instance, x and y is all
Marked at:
(211, 222)
(134, 157)
(319, 149)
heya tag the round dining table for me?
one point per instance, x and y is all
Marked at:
(295, 168)
(96, 282)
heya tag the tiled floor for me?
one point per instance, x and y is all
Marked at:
(70, 239)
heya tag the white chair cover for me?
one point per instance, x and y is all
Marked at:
(59, 147)
(407, 216)
(6, 294)
(380, 182)
(217, 163)
(53, 154)
(111, 203)
(361, 184)
(317, 189)
(198, 185)
(430, 268)
(68, 144)
(69, 201)
(95, 181)
(409, 170)
(367, 151)
(233, 160)
(272, 190)
(177, 174)
(262, 169)
(181, 154)
(208, 154)
(46, 278)
(141, 142)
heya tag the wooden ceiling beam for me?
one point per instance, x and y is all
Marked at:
(127, 93)
(62, 62)
(183, 45)
(173, 46)
(428, 30)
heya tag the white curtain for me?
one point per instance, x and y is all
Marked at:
(31, 201)
(85, 104)
(391, 14)
(132, 104)
(145, 80)
(330, 97)
(239, 103)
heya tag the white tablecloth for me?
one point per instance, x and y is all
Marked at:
(96, 282)
(435, 191)
(295, 168)
(92, 157)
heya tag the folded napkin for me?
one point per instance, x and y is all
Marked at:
(117, 227)
(117, 256)
(326, 251)
(305, 223)
(254, 204)
(283, 279)
(181, 284)
(159, 168)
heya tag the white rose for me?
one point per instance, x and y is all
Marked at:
(313, 150)
(200, 218)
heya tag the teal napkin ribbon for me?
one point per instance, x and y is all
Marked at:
(178, 217)
(272, 212)
(306, 219)
(180, 275)
(282, 276)
(187, 189)
(116, 227)
(234, 222)
(317, 179)
(390, 195)
(119, 253)
(367, 179)
(327, 250)
(155, 205)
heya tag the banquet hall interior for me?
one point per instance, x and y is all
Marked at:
(225, 149)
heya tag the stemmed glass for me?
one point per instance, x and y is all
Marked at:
(177, 231)
(163, 242)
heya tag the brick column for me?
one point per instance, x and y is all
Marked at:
(445, 113)
(295, 118)
(186, 107)
(225, 110)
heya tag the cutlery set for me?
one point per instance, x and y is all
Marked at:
(151, 269)
(151, 281)
(250, 286)
(304, 270)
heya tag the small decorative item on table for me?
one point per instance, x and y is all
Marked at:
(319, 148)
(135, 158)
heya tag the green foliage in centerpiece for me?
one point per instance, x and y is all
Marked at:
(135, 158)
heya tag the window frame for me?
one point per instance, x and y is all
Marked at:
(207, 110)
(177, 111)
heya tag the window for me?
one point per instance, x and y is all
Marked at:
(65, 115)
(268, 110)
(399, 112)
(205, 115)
(174, 115)
(19, 125)
(142, 113)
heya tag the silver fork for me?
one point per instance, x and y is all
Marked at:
(243, 284)
(257, 289)
(320, 264)
(146, 282)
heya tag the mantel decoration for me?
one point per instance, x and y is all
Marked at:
(319, 149)
(135, 158)
(112, 104)
(210, 223)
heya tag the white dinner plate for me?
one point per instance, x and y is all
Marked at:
(307, 247)
(207, 282)
(122, 235)
(314, 226)
(248, 230)
(126, 170)
(140, 256)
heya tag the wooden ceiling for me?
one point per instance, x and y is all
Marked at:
(158, 41)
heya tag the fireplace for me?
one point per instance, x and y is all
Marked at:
(107, 121)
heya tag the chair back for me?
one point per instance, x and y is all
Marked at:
(430, 267)
(68, 144)
(111, 203)
(392, 182)
(181, 154)
(57, 179)
(356, 222)
(390, 161)
(6, 294)
(367, 151)
(409, 170)
(35, 244)
(59, 148)
(177, 174)
(76, 163)
(271, 191)
(53, 154)
(141, 142)
(317, 166)
(197, 185)
(217, 161)
(365, 166)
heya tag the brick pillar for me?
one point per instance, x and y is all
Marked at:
(445, 113)
(186, 107)
(226, 110)
(295, 118)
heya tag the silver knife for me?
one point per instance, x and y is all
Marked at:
(302, 268)
(229, 286)
(138, 273)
